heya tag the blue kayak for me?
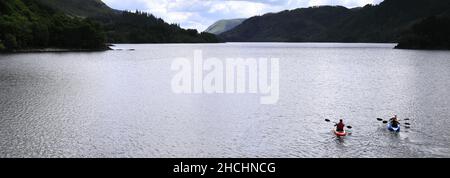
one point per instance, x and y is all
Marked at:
(393, 129)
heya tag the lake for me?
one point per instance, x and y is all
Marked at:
(120, 103)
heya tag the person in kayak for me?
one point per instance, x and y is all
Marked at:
(394, 121)
(340, 126)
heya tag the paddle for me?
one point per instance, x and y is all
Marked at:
(407, 125)
(328, 120)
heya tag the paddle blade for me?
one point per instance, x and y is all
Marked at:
(349, 127)
(406, 119)
(379, 119)
(328, 120)
(407, 127)
(385, 122)
(407, 124)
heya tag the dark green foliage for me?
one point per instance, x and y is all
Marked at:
(141, 27)
(10, 41)
(430, 33)
(83, 24)
(381, 23)
(128, 27)
(28, 24)
(307, 24)
(209, 37)
(80, 8)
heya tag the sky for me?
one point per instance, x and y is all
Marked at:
(199, 14)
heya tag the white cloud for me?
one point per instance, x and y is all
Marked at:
(199, 14)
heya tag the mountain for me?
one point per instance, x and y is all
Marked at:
(430, 33)
(83, 25)
(372, 23)
(223, 26)
(81, 8)
(27, 24)
(129, 27)
(306, 24)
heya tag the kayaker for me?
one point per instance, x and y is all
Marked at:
(340, 126)
(394, 121)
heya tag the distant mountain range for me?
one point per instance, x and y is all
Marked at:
(223, 26)
(90, 24)
(386, 22)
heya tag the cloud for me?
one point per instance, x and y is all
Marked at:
(199, 14)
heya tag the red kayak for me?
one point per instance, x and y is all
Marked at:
(340, 133)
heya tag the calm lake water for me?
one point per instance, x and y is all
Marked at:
(120, 103)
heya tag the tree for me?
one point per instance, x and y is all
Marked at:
(40, 34)
(430, 33)
(2, 47)
(10, 41)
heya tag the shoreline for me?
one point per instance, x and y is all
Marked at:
(57, 50)
(109, 47)
(412, 47)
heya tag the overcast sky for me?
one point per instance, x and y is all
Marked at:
(199, 14)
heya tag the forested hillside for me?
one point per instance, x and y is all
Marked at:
(28, 24)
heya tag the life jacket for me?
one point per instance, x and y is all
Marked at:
(340, 126)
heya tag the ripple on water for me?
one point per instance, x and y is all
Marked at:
(120, 104)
